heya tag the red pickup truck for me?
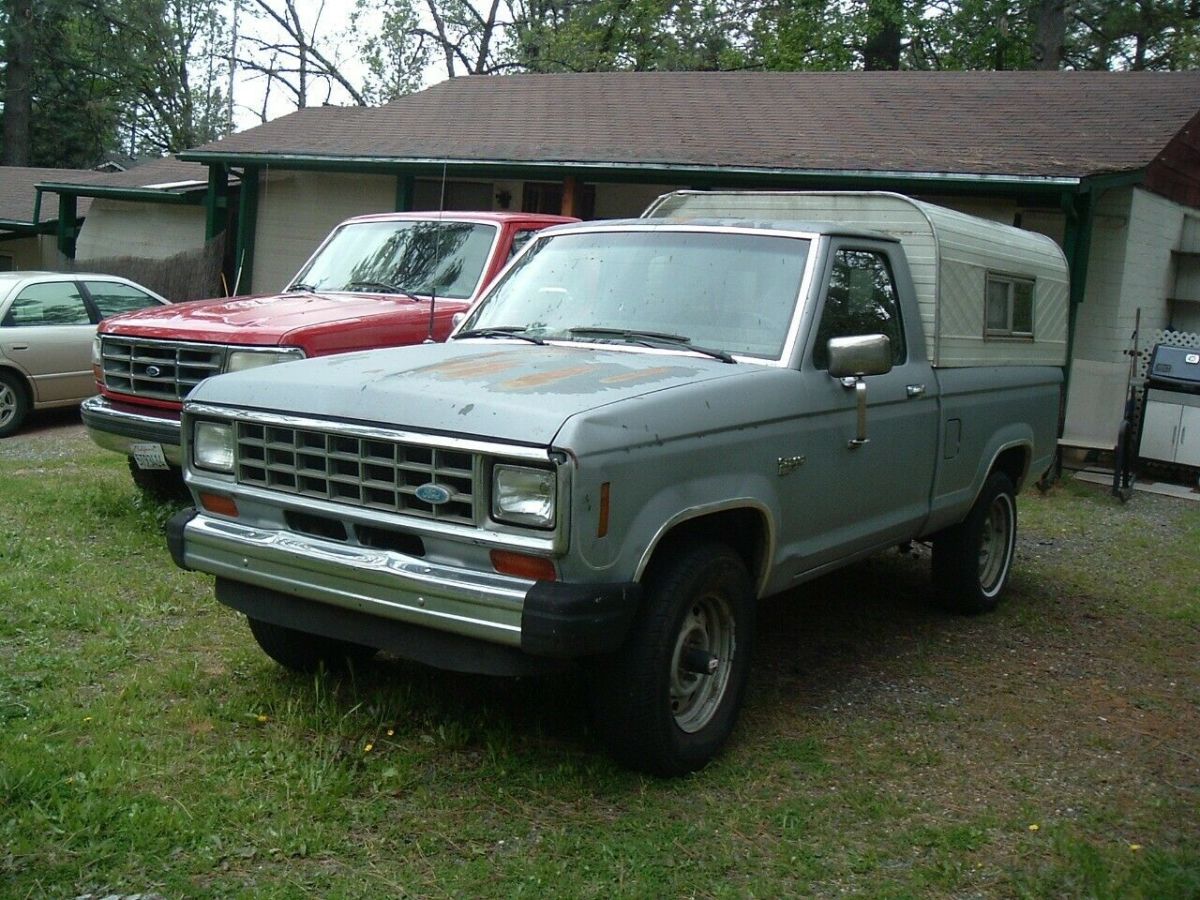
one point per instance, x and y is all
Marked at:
(376, 281)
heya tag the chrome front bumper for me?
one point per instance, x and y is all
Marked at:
(117, 428)
(380, 583)
(378, 591)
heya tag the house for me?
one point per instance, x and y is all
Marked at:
(28, 232)
(1107, 164)
(153, 210)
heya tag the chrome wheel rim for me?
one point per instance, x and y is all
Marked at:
(995, 545)
(8, 404)
(707, 626)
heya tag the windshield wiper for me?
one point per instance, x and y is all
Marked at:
(498, 331)
(384, 287)
(303, 288)
(650, 339)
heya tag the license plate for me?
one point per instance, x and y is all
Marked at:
(149, 456)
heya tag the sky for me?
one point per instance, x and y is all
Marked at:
(324, 19)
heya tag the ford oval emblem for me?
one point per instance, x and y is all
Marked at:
(433, 494)
(153, 371)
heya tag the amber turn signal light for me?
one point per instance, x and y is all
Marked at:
(520, 565)
(219, 504)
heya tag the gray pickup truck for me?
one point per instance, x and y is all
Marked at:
(642, 428)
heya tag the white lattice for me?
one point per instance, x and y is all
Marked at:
(1188, 339)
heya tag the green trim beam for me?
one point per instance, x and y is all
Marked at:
(699, 176)
(193, 197)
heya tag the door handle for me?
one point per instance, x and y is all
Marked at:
(915, 390)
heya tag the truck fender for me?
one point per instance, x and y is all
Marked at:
(760, 561)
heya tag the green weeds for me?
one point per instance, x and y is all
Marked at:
(886, 750)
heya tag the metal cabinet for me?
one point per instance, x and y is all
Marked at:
(1171, 428)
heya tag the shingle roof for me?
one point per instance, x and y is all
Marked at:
(17, 194)
(149, 174)
(1030, 124)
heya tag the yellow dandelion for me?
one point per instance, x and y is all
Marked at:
(262, 718)
(1134, 848)
(87, 718)
(391, 731)
(1034, 827)
(368, 748)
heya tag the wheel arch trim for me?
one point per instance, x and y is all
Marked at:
(766, 551)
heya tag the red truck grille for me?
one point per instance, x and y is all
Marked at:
(358, 471)
(163, 370)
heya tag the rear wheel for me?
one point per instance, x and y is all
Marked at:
(971, 560)
(304, 652)
(668, 700)
(14, 403)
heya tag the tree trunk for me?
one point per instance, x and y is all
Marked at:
(1049, 34)
(18, 85)
(881, 51)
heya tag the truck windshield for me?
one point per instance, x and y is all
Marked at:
(425, 257)
(727, 291)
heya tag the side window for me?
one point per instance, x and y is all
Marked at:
(519, 240)
(112, 297)
(1008, 307)
(53, 303)
(861, 299)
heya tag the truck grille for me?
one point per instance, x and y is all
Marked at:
(163, 370)
(358, 471)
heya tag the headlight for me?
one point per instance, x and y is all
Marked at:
(523, 496)
(212, 446)
(253, 359)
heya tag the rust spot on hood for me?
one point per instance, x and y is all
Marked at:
(541, 379)
(639, 375)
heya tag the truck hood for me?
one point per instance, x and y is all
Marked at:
(515, 394)
(261, 320)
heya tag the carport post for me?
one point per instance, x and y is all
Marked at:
(216, 200)
(247, 226)
(404, 192)
(68, 224)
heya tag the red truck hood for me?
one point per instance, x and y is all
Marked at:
(263, 319)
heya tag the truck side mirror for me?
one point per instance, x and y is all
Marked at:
(861, 355)
(852, 359)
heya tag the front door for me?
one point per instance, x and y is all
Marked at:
(845, 498)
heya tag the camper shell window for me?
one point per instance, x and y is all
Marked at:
(1008, 307)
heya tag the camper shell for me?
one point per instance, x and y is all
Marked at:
(955, 260)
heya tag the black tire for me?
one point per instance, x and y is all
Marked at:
(14, 403)
(972, 560)
(654, 713)
(161, 485)
(304, 652)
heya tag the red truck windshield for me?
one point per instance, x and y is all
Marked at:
(424, 257)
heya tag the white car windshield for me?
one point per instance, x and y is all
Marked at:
(727, 291)
(406, 257)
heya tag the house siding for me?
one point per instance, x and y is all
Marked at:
(298, 209)
(146, 230)
(30, 253)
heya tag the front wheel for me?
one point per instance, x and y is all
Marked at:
(668, 700)
(971, 560)
(14, 403)
(304, 652)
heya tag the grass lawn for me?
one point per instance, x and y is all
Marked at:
(887, 750)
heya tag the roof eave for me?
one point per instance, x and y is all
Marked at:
(145, 195)
(609, 170)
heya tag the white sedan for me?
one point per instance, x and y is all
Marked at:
(47, 323)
